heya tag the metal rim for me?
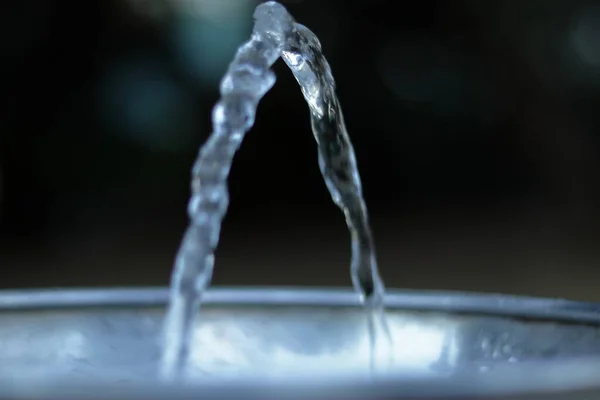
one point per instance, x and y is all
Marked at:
(512, 383)
(461, 302)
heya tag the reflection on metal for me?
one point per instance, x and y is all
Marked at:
(56, 341)
(307, 342)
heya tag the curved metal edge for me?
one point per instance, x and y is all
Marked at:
(454, 302)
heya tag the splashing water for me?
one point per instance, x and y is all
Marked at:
(247, 80)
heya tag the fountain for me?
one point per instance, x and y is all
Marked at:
(286, 343)
(248, 78)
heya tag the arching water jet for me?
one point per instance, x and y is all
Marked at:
(247, 80)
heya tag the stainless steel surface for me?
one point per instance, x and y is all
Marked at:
(54, 344)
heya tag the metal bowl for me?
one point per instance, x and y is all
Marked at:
(282, 343)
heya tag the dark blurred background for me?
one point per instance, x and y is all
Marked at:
(475, 124)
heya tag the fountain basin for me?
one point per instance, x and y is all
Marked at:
(280, 343)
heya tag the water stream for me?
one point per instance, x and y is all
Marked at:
(246, 81)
